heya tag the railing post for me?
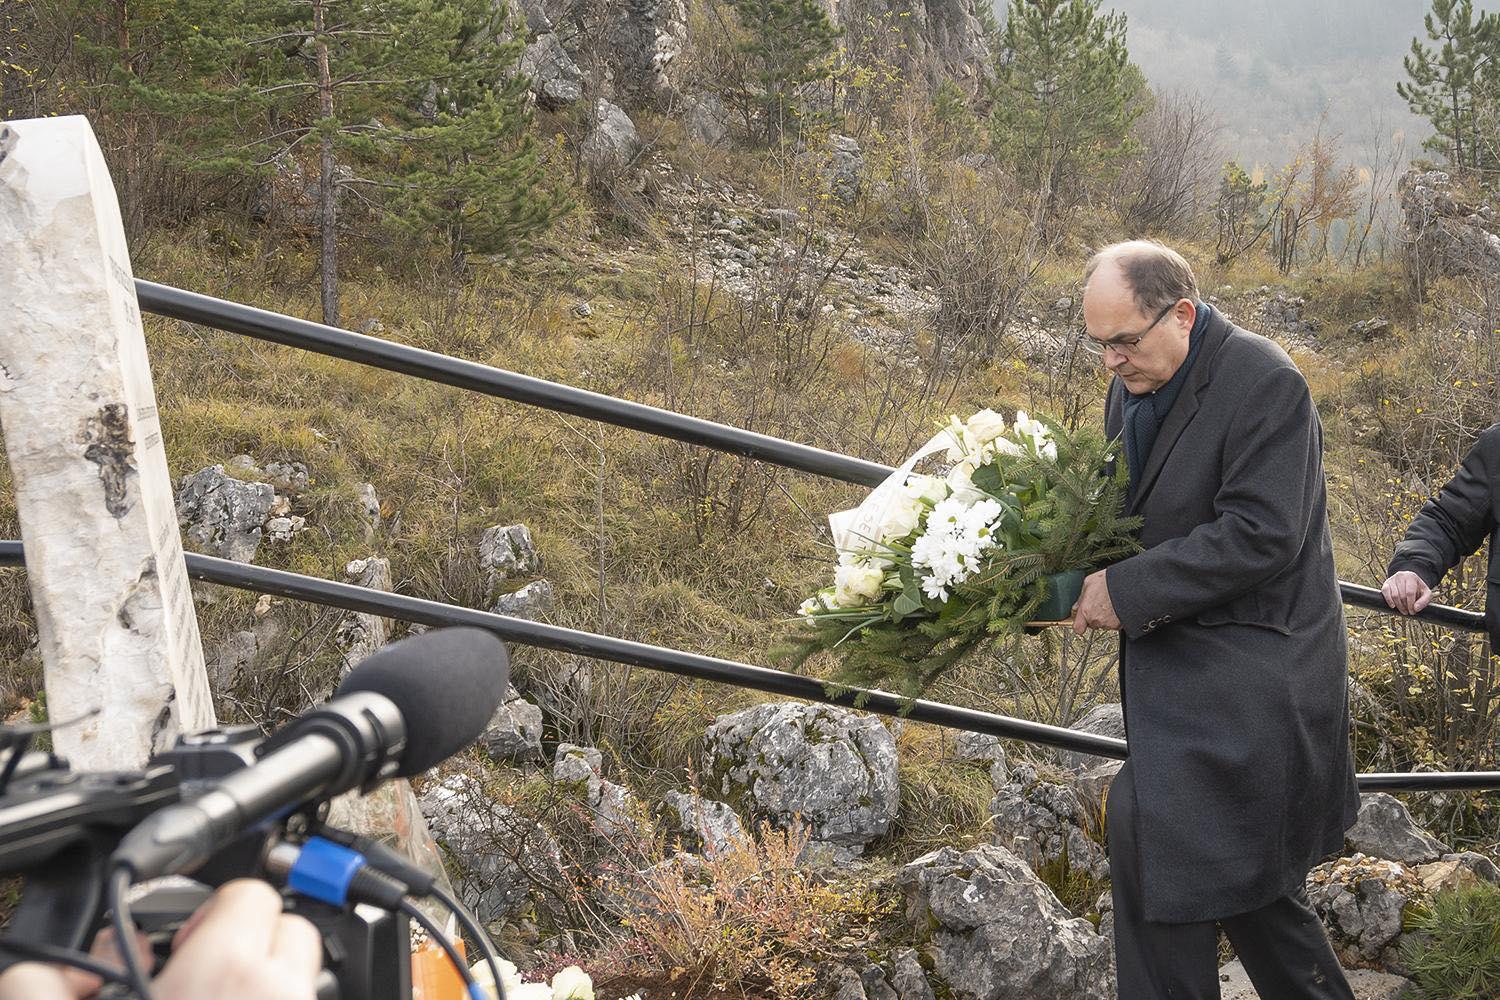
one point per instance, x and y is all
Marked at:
(113, 604)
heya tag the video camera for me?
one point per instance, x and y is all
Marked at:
(227, 803)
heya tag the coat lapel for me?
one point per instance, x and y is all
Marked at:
(1184, 409)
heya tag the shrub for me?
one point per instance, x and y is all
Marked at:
(1456, 955)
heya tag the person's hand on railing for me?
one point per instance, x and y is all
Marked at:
(1407, 592)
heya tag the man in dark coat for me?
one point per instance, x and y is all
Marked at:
(1450, 527)
(1232, 657)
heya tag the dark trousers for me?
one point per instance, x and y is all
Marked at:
(1282, 945)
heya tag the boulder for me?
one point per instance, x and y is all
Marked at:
(642, 38)
(1041, 821)
(845, 168)
(1234, 984)
(503, 858)
(706, 119)
(1370, 329)
(578, 767)
(1385, 829)
(703, 825)
(907, 977)
(998, 932)
(1101, 720)
(222, 515)
(611, 144)
(506, 552)
(984, 749)
(1455, 871)
(556, 79)
(533, 601)
(514, 733)
(1363, 901)
(614, 810)
(1445, 235)
(832, 769)
(361, 634)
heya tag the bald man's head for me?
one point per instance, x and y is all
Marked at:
(1140, 301)
(1156, 274)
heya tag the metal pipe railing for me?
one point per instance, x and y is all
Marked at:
(222, 314)
(413, 609)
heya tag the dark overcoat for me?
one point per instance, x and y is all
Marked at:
(1453, 524)
(1233, 663)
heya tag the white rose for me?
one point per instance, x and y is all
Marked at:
(901, 517)
(930, 489)
(855, 585)
(511, 980)
(572, 983)
(986, 425)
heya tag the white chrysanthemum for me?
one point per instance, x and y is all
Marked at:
(957, 537)
(572, 983)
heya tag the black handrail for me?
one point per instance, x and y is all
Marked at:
(234, 317)
(425, 612)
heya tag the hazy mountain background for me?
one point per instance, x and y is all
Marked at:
(1272, 68)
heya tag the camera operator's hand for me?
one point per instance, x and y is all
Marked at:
(237, 946)
(240, 946)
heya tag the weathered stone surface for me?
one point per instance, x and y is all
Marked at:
(533, 601)
(1362, 901)
(1445, 235)
(907, 977)
(611, 143)
(642, 38)
(360, 634)
(1385, 829)
(514, 733)
(556, 79)
(1041, 820)
(1454, 871)
(222, 515)
(503, 858)
(999, 932)
(1370, 329)
(706, 119)
(113, 606)
(1101, 720)
(940, 40)
(833, 768)
(614, 809)
(578, 767)
(845, 169)
(983, 748)
(703, 825)
(1234, 984)
(506, 552)
(369, 505)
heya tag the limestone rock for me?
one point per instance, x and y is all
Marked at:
(706, 120)
(1101, 720)
(224, 516)
(907, 977)
(1446, 236)
(1454, 871)
(361, 634)
(1362, 901)
(983, 748)
(556, 79)
(703, 825)
(614, 809)
(844, 171)
(1370, 329)
(288, 475)
(998, 932)
(1385, 829)
(833, 768)
(578, 767)
(506, 552)
(533, 601)
(502, 857)
(1041, 820)
(514, 733)
(642, 38)
(1234, 984)
(611, 143)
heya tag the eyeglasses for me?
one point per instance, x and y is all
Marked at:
(1125, 343)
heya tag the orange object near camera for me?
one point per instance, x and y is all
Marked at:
(433, 976)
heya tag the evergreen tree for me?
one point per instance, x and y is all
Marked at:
(789, 43)
(1065, 96)
(1452, 85)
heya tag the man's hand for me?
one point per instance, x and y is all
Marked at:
(1407, 592)
(1094, 608)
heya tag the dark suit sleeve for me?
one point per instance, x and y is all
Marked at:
(1453, 524)
(1271, 475)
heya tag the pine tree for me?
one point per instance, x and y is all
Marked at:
(789, 42)
(1065, 96)
(1453, 85)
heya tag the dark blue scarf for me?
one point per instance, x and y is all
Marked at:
(1144, 414)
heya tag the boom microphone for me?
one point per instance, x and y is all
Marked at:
(401, 711)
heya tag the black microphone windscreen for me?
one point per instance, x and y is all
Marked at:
(446, 683)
